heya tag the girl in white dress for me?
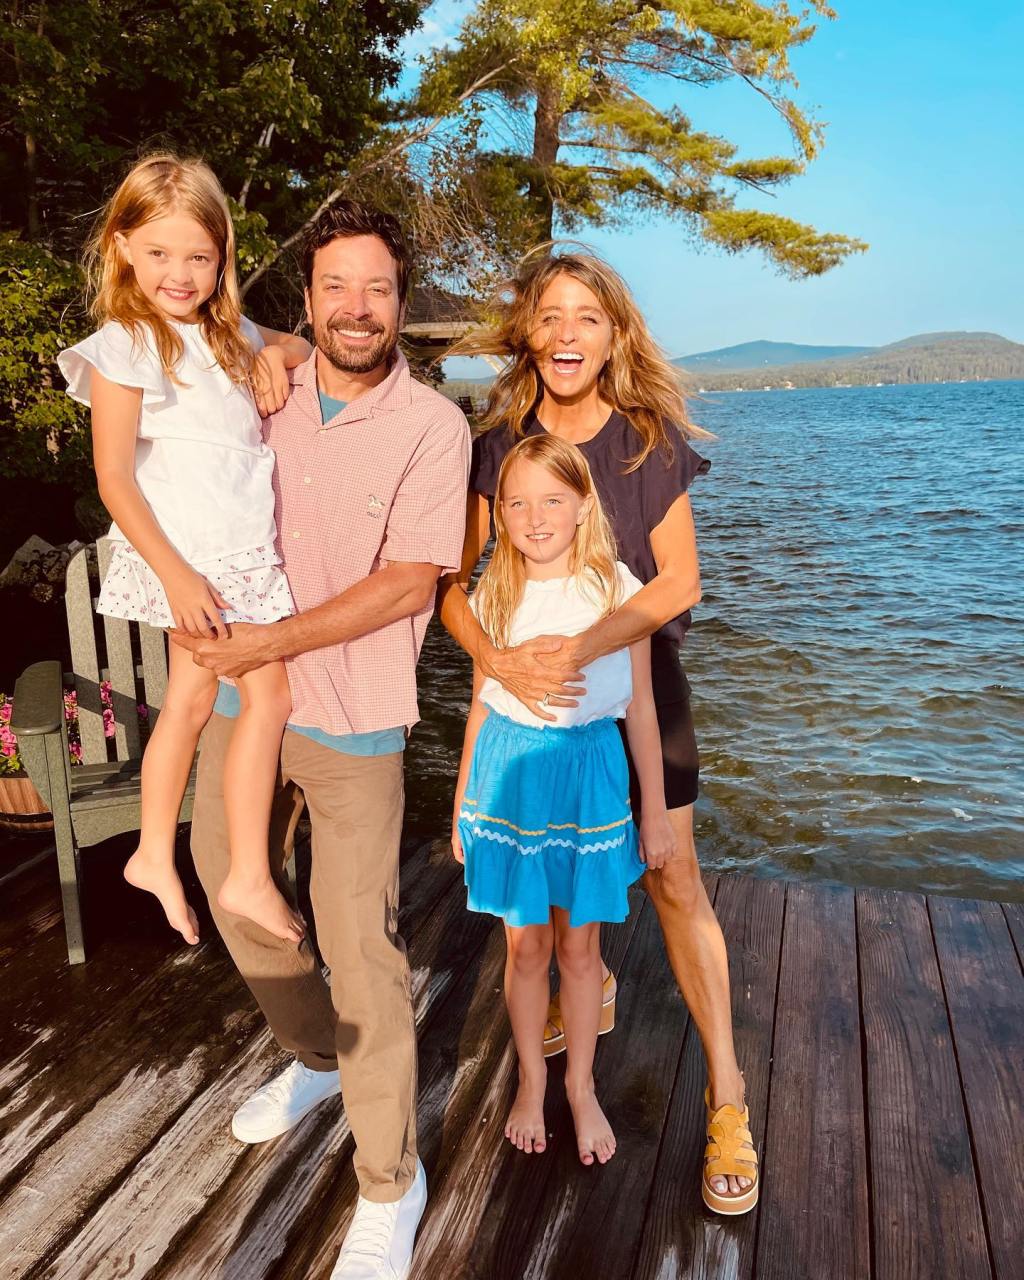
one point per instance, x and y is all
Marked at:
(183, 469)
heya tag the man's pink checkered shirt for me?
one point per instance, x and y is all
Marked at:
(384, 480)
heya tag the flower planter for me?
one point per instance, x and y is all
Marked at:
(22, 808)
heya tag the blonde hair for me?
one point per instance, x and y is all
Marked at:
(592, 558)
(637, 379)
(157, 186)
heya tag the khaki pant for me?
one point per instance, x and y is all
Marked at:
(362, 1025)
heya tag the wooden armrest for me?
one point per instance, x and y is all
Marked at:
(38, 700)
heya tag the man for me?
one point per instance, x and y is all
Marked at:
(371, 492)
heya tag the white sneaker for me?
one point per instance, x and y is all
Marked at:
(380, 1240)
(281, 1104)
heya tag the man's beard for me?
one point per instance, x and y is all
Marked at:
(356, 359)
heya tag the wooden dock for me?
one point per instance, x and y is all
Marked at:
(882, 1036)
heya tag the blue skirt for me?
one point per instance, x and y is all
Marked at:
(546, 823)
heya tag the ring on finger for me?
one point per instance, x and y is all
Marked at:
(545, 701)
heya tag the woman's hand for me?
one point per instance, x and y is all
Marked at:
(270, 384)
(457, 853)
(195, 604)
(657, 839)
(545, 665)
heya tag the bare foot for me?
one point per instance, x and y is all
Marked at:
(264, 905)
(159, 877)
(594, 1135)
(525, 1125)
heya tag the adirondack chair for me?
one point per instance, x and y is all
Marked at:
(101, 797)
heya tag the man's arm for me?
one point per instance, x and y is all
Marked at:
(398, 590)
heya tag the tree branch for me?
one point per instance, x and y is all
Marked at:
(403, 144)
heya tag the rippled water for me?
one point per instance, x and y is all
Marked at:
(857, 660)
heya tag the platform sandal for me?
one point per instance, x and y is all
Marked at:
(554, 1032)
(730, 1150)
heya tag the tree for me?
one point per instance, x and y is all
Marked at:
(278, 98)
(562, 86)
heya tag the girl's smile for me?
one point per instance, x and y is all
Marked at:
(541, 515)
(175, 264)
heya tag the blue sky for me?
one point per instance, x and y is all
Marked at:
(922, 159)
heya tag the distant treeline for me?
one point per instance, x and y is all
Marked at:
(968, 359)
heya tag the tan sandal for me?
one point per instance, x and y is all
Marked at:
(554, 1032)
(730, 1150)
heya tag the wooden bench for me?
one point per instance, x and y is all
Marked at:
(101, 797)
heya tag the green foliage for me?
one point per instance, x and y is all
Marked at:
(278, 98)
(561, 80)
(42, 431)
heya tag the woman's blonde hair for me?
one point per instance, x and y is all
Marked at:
(157, 186)
(592, 558)
(637, 379)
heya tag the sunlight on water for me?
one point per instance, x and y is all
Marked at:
(857, 660)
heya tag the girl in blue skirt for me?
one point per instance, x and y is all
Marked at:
(542, 819)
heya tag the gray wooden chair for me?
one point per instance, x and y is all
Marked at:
(101, 797)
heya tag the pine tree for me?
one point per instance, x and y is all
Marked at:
(561, 84)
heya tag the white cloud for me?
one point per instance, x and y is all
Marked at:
(439, 25)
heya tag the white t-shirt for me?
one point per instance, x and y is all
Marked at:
(565, 607)
(200, 460)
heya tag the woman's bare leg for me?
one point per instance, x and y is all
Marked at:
(528, 993)
(697, 954)
(191, 692)
(250, 773)
(579, 964)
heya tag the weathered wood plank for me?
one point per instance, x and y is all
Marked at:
(679, 1238)
(31, 909)
(1014, 912)
(48, 1007)
(64, 1171)
(111, 1019)
(275, 1184)
(84, 662)
(136, 1230)
(286, 1206)
(114, 1110)
(636, 1086)
(460, 1051)
(984, 988)
(814, 1197)
(472, 1192)
(927, 1218)
(170, 1196)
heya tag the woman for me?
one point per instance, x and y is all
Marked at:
(582, 366)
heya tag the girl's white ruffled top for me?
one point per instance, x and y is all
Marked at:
(200, 459)
(566, 607)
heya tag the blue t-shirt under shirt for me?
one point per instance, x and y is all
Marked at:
(380, 742)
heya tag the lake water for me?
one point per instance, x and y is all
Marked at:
(858, 658)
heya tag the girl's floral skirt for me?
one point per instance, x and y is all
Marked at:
(546, 823)
(252, 582)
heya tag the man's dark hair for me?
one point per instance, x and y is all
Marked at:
(346, 218)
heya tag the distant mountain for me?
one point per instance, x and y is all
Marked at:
(926, 357)
(762, 354)
(932, 339)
